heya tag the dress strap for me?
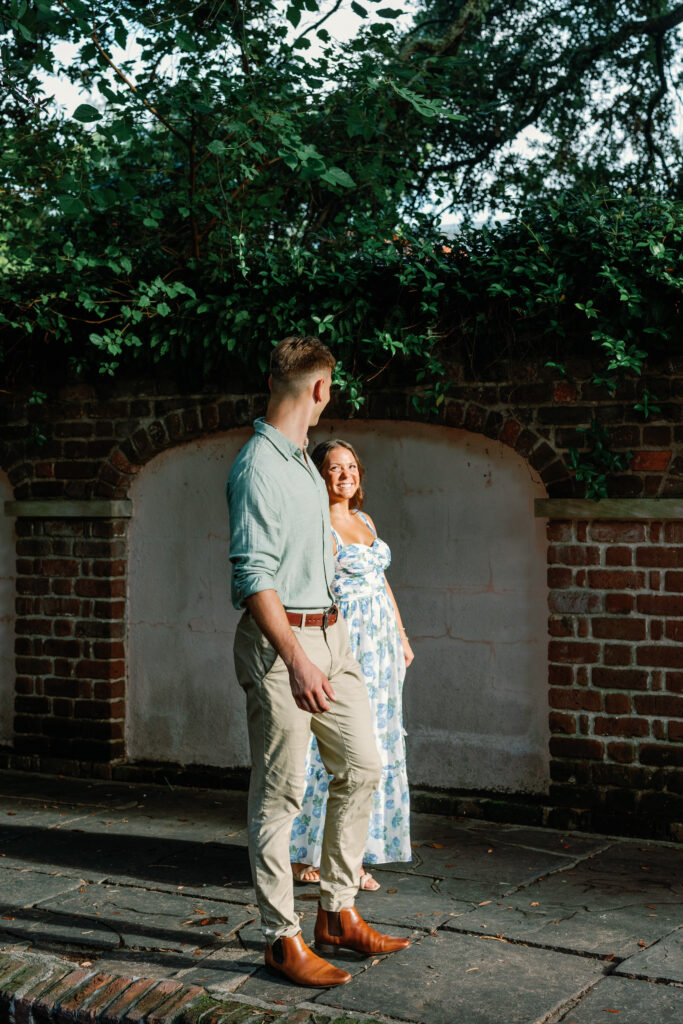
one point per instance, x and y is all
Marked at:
(337, 539)
(367, 522)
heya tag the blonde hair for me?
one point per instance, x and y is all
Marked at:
(298, 356)
(320, 453)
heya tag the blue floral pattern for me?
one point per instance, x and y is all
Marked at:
(360, 592)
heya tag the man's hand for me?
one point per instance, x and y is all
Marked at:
(311, 688)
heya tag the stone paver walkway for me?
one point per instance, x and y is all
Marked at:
(134, 903)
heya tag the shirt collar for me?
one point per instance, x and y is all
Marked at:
(286, 447)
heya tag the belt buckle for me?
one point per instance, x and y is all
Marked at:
(326, 615)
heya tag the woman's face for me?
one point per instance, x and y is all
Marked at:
(341, 474)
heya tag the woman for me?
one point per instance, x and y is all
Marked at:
(379, 642)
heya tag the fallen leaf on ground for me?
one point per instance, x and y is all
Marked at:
(642, 943)
(392, 890)
(483, 903)
(610, 957)
(471, 969)
(375, 962)
(611, 1011)
(534, 904)
(436, 846)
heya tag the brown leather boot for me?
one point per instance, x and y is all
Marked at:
(293, 959)
(346, 929)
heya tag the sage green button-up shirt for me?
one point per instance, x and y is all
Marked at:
(280, 536)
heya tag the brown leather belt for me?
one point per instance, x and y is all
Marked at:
(320, 619)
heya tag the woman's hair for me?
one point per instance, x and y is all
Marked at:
(320, 453)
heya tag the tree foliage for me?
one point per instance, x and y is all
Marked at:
(235, 173)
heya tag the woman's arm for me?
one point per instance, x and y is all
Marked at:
(407, 649)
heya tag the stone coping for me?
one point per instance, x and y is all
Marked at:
(59, 508)
(609, 508)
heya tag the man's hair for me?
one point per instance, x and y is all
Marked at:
(297, 356)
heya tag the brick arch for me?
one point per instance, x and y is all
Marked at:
(205, 418)
(175, 428)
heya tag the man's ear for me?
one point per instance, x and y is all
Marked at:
(318, 389)
(270, 382)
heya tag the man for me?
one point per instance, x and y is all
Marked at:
(293, 660)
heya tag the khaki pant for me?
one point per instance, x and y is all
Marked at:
(279, 733)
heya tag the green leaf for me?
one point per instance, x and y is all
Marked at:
(337, 176)
(293, 15)
(359, 9)
(86, 113)
(389, 12)
(217, 147)
(71, 205)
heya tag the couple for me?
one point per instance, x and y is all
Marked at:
(293, 659)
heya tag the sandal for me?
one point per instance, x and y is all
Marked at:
(301, 873)
(368, 882)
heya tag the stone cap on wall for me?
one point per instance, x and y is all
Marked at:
(66, 509)
(608, 508)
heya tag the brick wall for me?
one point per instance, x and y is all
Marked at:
(70, 656)
(616, 670)
(616, 589)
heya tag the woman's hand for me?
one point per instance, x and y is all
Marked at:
(407, 651)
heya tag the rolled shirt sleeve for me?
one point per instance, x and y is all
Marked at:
(255, 541)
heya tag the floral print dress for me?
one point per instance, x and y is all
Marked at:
(361, 595)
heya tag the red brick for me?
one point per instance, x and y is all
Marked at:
(116, 1011)
(665, 557)
(674, 629)
(617, 654)
(658, 704)
(573, 554)
(673, 533)
(70, 1006)
(650, 462)
(574, 602)
(560, 675)
(101, 709)
(621, 727)
(619, 678)
(659, 604)
(618, 703)
(660, 656)
(510, 432)
(675, 732)
(623, 753)
(613, 579)
(109, 567)
(44, 1004)
(100, 669)
(673, 581)
(109, 690)
(661, 754)
(560, 627)
(564, 391)
(102, 997)
(656, 629)
(562, 723)
(559, 530)
(573, 653)
(559, 578)
(60, 567)
(575, 700)
(100, 588)
(655, 532)
(619, 629)
(619, 533)
(674, 682)
(574, 747)
(619, 556)
(168, 1010)
(619, 604)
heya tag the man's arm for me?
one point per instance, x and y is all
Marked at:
(310, 687)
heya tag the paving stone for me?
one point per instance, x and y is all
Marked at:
(663, 961)
(107, 917)
(409, 900)
(225, 969)
(116, 1011)
(25, 888)
(606, 905)
(635, 1002)
(171, 1007)
(91, 855)
(446, 978)
(477, 867)
(429, 828)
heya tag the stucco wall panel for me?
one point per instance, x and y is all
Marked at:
(468, 571)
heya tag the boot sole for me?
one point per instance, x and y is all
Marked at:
(277, 973)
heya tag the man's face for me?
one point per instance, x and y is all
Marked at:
(322, 394)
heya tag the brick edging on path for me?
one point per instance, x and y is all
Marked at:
(37, 989)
